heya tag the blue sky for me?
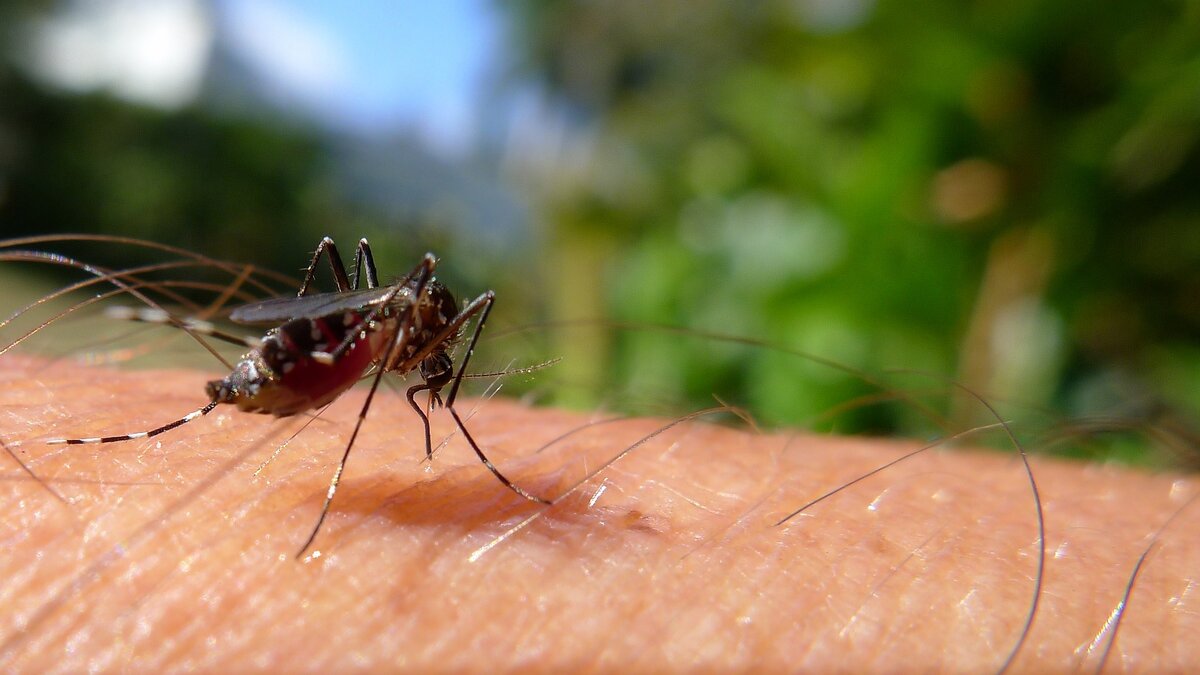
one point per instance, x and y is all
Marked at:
(373, 64)
(364, 65)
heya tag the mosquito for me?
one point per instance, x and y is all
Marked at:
(329, 341)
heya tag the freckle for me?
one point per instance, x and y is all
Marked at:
(636, 520)
(880, 545)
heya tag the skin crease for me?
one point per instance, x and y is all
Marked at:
(170, 553)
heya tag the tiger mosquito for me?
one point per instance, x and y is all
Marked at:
(328, 341)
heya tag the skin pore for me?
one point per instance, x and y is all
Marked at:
(171, 553)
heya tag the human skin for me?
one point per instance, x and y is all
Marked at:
(169, 553)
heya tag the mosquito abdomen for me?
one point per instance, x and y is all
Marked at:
(286, 375)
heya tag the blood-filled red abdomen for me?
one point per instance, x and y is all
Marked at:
(282, 378)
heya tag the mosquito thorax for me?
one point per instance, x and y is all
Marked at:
(436, 309)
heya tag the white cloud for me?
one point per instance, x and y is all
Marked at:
(296, 54)
(150, 51)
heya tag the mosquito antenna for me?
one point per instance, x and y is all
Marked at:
(523, 370)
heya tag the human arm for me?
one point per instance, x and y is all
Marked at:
(170, 553)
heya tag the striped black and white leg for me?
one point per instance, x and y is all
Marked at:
(139, 434)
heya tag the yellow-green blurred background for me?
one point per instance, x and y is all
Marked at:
(1006, 192)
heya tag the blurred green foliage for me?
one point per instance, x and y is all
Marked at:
(1002, 191)
(93, 164)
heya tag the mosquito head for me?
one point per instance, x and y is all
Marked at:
(243, 386)
(437, 370)
(218, 391)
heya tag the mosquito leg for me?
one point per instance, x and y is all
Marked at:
(335, 264)
(484, 303)
(481, 304)
(337, 474)
(425, 273)
(362, 256)
(412, 401)
(228, 292)
(116, 278)
(147, 315)
(492, 467)
(140, 434)
(429, 261)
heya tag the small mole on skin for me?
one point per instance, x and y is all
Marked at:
(636, 520)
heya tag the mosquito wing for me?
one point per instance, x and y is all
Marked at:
(279, 310)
